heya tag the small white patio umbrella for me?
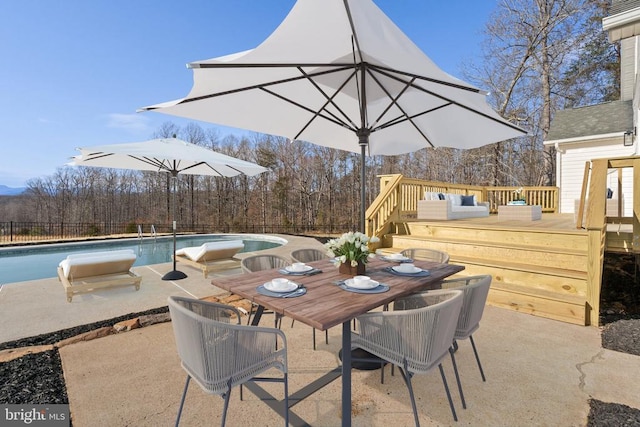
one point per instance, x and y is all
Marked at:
(341, 74)
(168, 155)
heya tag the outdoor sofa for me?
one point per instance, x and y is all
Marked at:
(447, 206)
(211, 256)
(91, 271)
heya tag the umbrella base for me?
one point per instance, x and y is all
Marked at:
(174, 275)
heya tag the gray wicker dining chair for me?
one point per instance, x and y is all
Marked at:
(425, 254)
(416, 340)
(476, 290)
(310, 255)
(218, 353)
(254, 263)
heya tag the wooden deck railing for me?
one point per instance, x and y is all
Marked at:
(399, 196)
(547, 197)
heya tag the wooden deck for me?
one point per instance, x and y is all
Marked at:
(547, 267)
(538, 267)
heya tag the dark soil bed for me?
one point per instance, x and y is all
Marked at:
(620, 303)
(602, 414)
(34, 379)
(623, 336)
(620, 292)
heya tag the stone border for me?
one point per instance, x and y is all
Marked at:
(9, 354)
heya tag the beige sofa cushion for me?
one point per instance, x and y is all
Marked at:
(97, 263)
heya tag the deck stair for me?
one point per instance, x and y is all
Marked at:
(535, 270)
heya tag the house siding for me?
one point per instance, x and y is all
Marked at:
(628, 53)
(572, 160)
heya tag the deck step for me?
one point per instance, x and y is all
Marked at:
(529, 268)
(563, 307)
(540, 272)
(502, 245)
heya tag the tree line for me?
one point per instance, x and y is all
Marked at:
(538, 56)
(306, 185)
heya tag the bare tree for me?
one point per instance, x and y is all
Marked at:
(593, 75)
(524, 55)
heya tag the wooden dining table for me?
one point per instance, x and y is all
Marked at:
(325, 304)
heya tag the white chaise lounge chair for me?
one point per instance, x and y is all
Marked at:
(91, 271)
(211, 256)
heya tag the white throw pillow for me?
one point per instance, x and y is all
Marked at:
(456, 199)
(429, 195)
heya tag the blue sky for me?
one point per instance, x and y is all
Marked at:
(74, 72)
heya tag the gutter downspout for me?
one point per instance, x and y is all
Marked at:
(559, 175)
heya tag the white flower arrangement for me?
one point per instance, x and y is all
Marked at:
(352, 247)
(519, 195)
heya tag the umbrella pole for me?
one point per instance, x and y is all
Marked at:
(174, 274)
(362, 188)
(363, 140)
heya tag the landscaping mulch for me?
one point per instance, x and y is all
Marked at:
(33, 379)
(622, 336)
(602, 414)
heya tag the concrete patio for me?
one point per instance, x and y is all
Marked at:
(539, 371)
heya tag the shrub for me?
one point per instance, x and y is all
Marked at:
(94, 230)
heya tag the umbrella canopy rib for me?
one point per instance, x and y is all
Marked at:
(444, 98)
(317, 113)
(264, 85)
(330, 100)
(394, 100)
(339, 66)
(370, 69)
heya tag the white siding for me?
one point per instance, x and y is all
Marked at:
(628, 65)
(573, 157)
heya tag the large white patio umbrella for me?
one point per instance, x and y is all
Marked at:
(341, 74)
(169, 155)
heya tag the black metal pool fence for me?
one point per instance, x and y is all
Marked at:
(17, 232)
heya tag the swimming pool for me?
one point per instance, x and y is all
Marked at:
(19, 264)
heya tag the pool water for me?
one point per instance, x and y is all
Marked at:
(19, 264)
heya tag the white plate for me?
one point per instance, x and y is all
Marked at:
(291, 287)
(292, 269)
(398, 269)
(368, 285)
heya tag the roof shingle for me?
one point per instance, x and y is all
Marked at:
(601, 119)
